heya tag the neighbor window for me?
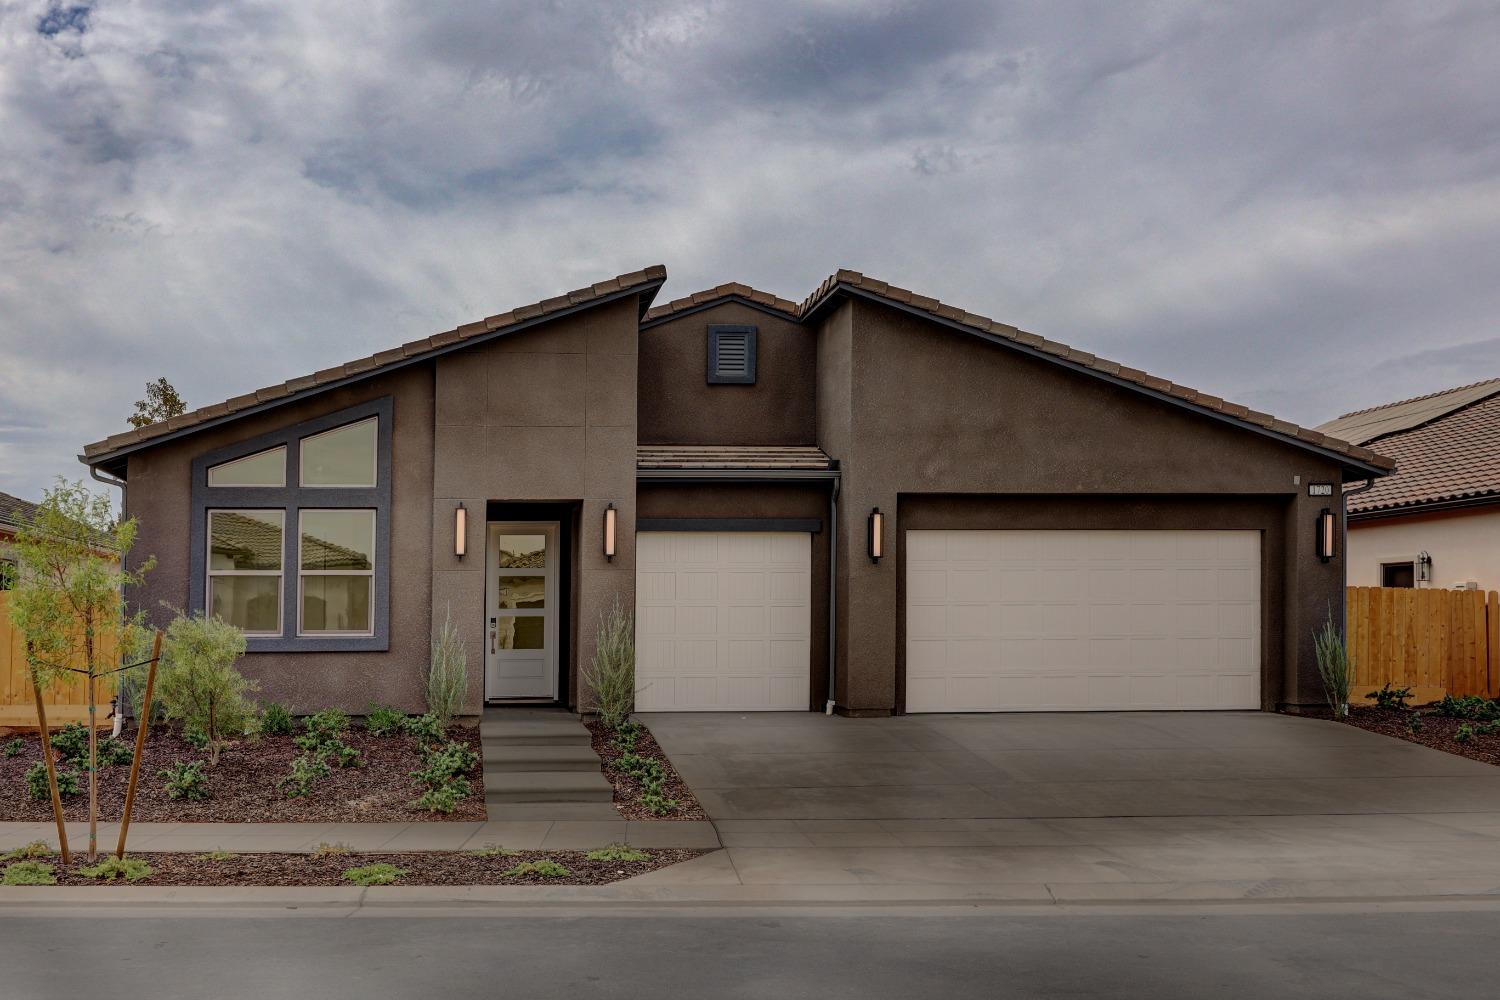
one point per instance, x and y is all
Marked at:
(341, 457)
(1398, 574)
(731, 355)
(336, 570)
(244, 568)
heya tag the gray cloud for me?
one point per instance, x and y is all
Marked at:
(1292, 205)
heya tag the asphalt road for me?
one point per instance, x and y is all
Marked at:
(910, 955)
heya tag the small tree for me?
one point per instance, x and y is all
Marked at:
(199, 685)
(1333, 666)
(161, 403)
(611, 674)
(448, 674)
(69, 603)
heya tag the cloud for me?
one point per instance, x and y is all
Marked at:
(1291, 205)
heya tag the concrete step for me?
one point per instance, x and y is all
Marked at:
(507, 757)
(547, 786)
(537, 734)
(552, 812)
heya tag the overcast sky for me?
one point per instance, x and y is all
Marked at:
(1294, 205)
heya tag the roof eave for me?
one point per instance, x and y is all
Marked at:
(1426, 507)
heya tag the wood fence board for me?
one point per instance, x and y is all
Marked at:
(66, 699)
(1430, 640)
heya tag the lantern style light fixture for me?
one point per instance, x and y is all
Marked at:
(876, 535)
(1325, 534)
(460, 530)
(1424, 567)
(611, 522)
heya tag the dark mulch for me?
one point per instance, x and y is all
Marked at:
(423, 868)
(628, 789)
(243, 785)
(1436, 732)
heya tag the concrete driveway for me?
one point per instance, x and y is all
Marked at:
(1085, 800)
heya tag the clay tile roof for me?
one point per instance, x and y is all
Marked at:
(1330, 441)
(1364, 426)
(14, 512)
(98, 451)
(1453, 458)
(658, 457)
(730, 290)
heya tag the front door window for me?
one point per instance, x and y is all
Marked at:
(521, 632)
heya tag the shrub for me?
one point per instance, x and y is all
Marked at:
(427, 729)
(384, 721)
(444, 798)
(618, 852)
(186, 780)
(610, 675)
(113, 752)
(28, 852)
(381, 874)
(198, 683)
(72, 743)
(275, 720)
(626, 736)
(195, 738)
(324, 739)
(1389, 697)
(1333, 666)
(14, 748)
(442, 776)
(111, 868)
(306, 770)
(36, 782)
(28, 873)
(1470, 706)
(658, 803)
(1464, 734)
(1414, 722)
(448, 673)
(546, 868)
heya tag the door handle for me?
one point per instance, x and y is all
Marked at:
(492, 636)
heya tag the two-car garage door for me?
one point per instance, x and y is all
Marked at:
(1073, 620)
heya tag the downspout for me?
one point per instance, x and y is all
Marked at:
(117, 708)
(1344, 540)
(833, 589)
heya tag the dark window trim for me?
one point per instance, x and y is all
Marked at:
(808, 524)
(293, 498)
(750, 334)
(1409, 565)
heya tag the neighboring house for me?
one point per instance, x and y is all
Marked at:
(1435, 522)
(14, 512)
(942, 512)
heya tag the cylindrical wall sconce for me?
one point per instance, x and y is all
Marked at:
(460, 530)
(611, 521)
(876, 535)
(1326, 534)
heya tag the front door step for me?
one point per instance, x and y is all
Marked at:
(546, 786)
(534, 734)
(536, 759)
(509, 757)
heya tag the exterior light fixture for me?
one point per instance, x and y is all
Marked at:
(460, 530)
(1325, 534)
(876, 535)
(1424, 567)
(611, 523)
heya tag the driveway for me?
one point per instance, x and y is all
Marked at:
(1097, 798)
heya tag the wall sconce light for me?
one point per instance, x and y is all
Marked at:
(876, 535)
(460, 530)
(1325, 534)
(1424, 567)
(611, 522)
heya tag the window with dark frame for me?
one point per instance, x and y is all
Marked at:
(731, 355)
(1398, 574)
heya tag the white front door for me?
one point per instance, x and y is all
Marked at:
(520, 652)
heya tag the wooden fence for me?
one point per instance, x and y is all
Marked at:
(1434, 641)
(66, 700)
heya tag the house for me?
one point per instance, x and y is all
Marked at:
(14, 513)
(1436, 521)
(870, 498)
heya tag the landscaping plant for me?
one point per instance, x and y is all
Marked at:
(382, 720)
(217, 854)
(610, 675)
(129, 869)
(199, 684)
(275, 720)
(448, 673)
(39, 784)
(324, 738)
(618, 852)
(72, 744)
(13, 748)
(381, 874)
(28, 873)
(1333, 666)
(186, 780)
(28, 852)
(69, 603)
(1389, 697)
(428, 730)
(1470, 706)
(443, 776)
(546, 868)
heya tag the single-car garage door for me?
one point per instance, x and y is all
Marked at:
(723, 620)
(1082, 620)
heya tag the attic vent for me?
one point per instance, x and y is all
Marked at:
(731, 355)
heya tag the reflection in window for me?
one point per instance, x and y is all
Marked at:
(522, 632)
(336, 571)
(344, 456)
(244, 568)
(523, 551)
(523, 592)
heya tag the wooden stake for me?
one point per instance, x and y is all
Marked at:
(57, 807)
(141, 725)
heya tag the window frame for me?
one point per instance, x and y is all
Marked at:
(375, 548)
(249, 486)
(280, 573)
(1410, 565)
(302, 469)
(293, 499)
(717, 332)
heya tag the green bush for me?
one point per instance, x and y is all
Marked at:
(324, 738)
(1333, 666)
(275, 719)
(28, 852)
(448, 673)
(1414, 722)
(546, 868)
(198, 683)
(610, 675)
(384, 721)
(14, 748)
(658, 803)
(444, 798)
(195, 738)
(381, 874)
(111, 868)
(627, 734)
(114, 753)
(72, 743)
(442, 776)
(307, 769)
(186, 780)
(427, 729)
(1470, 706)
(618, 852)
(28, 873)
(68, 783)
(1389, 697)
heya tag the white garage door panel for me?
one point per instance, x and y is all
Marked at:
(1082, 620)
(723, 621)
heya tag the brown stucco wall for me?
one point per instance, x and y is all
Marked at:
(678, 406)
(744, 500)
(544, 415)
(159, 494)
(934, 410)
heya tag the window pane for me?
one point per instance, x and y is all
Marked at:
(265, 469)
(336, 603)
(515, 632)
(338, 539)
(523, 591)
(523, 551)
(244, 539)
(251, 602)
(342, 457)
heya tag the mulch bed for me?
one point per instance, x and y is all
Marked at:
(1436, 732)
(243, 785)
(423, 868)
(628, 789)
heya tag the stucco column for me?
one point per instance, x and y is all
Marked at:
(1315, 589)
(868, 612)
